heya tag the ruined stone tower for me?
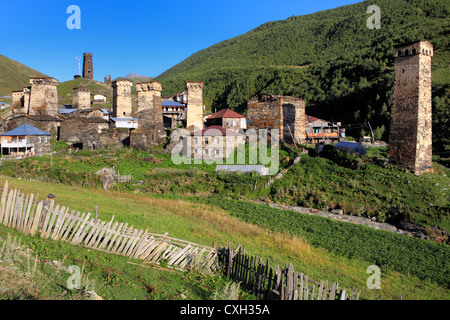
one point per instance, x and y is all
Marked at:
(17, 101)
(151, 125)
(122, 98)
(410, 137)
(107, 80)
(88, 67)
(81, 98)
(194, 113)
(43, 96)
(284, 113)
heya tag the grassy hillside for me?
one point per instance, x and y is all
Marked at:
(331, 59)
(14, 75)
(316, 246)
(65, 90)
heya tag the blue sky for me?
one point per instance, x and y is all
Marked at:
(144, 37)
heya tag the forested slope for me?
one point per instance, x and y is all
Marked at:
(331, 59)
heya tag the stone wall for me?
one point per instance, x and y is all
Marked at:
(44, 97)
(17, 99)
(287, 114)
(122, 104)
(410, 137)
(45, 123)
(83, 130)
(42, 145)
(194, 113)
(81, 98)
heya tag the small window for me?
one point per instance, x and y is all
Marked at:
(234, 123)
(39, 139)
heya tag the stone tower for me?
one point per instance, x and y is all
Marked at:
(26, 99)
(81, 98)
(410, 137)
(122, 98)
(43, 96)
(88, 67)
(107, 80)
(151, 125)
(17, 101)
(194, 113)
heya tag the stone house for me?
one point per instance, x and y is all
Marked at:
(45, 123)
(212, 143)
(25, 141)
(83, 133)
(228, 119)
(285, 113)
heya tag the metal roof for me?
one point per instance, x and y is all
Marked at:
(226, 113)
(260, 169)
(25, 130)
(124, 119)
(171, 103)
(66, 111)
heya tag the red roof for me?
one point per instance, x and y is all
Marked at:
(313, 119)
(216, 131)
(226, 113)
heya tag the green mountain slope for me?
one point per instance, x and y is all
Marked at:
(96, 87)
(14, 75)
(331, 59)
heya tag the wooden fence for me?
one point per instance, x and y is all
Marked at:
(30, 216)
(279, 284)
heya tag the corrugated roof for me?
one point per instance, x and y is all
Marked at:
(260, 169)
(25, 130)
(124, 119)
(226, 113)
(171, 103)
(66, 111)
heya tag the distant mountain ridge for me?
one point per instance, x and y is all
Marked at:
(135, 75)
(14, 75)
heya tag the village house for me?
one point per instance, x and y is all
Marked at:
(283, 113)
(83, 133)
(228, 119)
(99, 99)
(321, 131)
(174, 110)
(45, 123)
(213, 143)
(25, 141)
(129, 123)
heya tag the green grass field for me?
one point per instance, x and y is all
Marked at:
(221, 222)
